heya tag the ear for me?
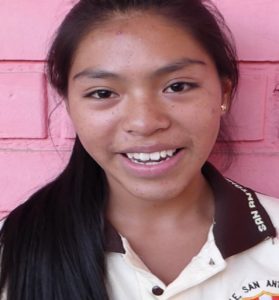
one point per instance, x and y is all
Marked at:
(226, 94)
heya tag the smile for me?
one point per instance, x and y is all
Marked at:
(151, 158)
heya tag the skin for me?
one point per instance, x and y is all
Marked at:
(140, 109)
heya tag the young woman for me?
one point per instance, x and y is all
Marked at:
(139, 213)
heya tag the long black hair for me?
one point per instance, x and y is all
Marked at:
(52, 246)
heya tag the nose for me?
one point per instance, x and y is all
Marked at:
(145, 116)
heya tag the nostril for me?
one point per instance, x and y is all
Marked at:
(145, 125)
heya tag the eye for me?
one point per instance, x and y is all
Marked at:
(179, 87)
(101, 94)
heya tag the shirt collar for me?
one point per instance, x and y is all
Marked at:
(240, 220)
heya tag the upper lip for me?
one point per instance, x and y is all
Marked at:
(150, 148)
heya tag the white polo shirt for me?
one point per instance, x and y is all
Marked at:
(240, 259)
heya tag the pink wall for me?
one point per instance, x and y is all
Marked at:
(31, 152)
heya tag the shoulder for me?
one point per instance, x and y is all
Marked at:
(271, 205)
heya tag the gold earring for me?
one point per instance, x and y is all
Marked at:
(224, 107)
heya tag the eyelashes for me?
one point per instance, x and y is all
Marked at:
(174, 88)
(101, 94)
(181, 86)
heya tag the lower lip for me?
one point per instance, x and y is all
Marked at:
(149, 171)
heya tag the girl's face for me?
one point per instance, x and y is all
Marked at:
(145, 99)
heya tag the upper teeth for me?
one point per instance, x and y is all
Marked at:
(155, 156)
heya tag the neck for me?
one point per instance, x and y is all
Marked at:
(192, 205)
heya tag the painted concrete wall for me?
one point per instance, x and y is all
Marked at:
(35, 139)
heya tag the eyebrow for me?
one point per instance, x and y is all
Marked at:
(96, 74)
(169, 68)
(178, 65)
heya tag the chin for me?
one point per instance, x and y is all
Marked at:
(160, 193)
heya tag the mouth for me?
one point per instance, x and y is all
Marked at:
(151, 159)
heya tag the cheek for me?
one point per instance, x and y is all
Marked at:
(200, 123)
(198, 115)
(93, 128)
(209, 119)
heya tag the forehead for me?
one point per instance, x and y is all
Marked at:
(137, 41)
